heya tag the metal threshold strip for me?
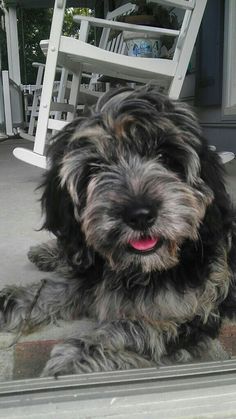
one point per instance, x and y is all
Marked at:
(118, 384)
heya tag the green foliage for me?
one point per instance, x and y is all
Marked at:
(3, 46)
(33, 26)
(70, 28)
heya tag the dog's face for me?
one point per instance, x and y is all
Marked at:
(133, 172)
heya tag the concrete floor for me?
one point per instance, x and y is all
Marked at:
(20, 213)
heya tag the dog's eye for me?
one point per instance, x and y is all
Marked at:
(170, 163)
(163, 158)
(160, 157)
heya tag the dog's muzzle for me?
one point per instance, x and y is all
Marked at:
(141, 218)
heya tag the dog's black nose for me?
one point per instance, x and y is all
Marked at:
(140, 218)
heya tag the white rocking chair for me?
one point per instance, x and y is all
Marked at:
(87, 96)
(77, 56)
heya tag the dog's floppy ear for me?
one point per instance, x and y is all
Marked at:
(221, 222)
(58, 209)
(213, 174)
(228, 306)
(56, 205)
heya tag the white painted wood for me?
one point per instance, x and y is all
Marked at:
(120, 11)
(30, 157)
(35, 104)
(62, 91)
(188, 35)
(12, 45)
(25, 135)
(103, 23)
(56, 124)
(111, 63)
(229, 70)
(7, 103)
(76, 79)
(226, 156)
(50, 70)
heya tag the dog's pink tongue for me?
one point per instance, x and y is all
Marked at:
(143, 244)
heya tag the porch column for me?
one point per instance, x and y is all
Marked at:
(12, 45)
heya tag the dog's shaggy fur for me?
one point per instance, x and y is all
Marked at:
(145, 236)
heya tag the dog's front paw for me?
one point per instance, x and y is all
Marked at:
(2, 314)
(9, 319)
(44, 256)
(76, 356)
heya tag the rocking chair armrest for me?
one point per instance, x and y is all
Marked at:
(37, 65)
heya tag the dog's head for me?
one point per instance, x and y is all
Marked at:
(128, 181)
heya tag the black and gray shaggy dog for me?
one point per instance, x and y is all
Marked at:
(145, 238)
